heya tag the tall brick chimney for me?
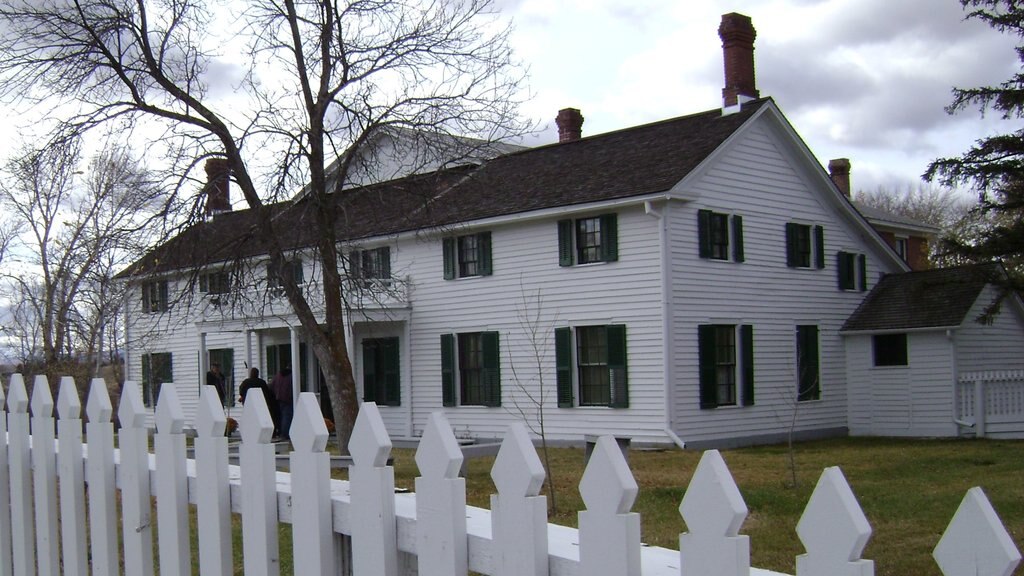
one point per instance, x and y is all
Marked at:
(839, 171)
(737, 34)
(217, 189)
(570, 124)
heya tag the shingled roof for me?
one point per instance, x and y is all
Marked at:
(631, 162)
(925, 299)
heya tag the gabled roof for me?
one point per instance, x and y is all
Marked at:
(884, 219)
(938, 298)
(632, 162)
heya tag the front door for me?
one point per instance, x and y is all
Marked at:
(381, 373)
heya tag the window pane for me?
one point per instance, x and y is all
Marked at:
(588, 240)
(592, 358)
(803, 246)
(890, 349)
(719, 236)
(471, 363)
(725, 364)
(469, 256)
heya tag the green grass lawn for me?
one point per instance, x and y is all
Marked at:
(908, 489)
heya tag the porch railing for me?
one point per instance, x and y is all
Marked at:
(992, 402)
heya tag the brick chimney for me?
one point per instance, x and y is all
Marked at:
(737, 34)
(839, 171)
(217, 189)
(570, 124)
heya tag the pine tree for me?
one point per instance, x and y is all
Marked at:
(994, 166)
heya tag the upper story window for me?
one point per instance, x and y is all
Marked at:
(218, 282)
(467, 255)
(902, 247)
(588, 240)
(852, 270)
(716, 232)
(371, 266)
(889, 349)
(726, 359)
(472, 360)
(274, 282)
(154, 296)
(805, 246)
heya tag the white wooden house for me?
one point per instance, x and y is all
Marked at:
(681, 281)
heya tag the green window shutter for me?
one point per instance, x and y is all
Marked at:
(296, 266)
(747, 350)
(369, 371)
(737, 238)
(819, 246)
(808, 363)
(484, 245)
(392, 373)
(563, 367)
(704, 233)
(164, 302)
(862, 264)
(447, 370)
(565, 252)
(706, 352)
(492, 369)
(204, 282)
(146, 304)
(618, 374)
(791, 245)
(386, 262)
(355, 264)
(448, 245)
(610, 237)
(147, 381)
(844, 270)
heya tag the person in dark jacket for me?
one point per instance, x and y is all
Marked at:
(282, 388)
(260, 385)
(216, 379)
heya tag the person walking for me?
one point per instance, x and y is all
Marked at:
(260, 385)
(282, 388)
(216, 379)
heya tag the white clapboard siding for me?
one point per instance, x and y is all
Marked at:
(432, 531)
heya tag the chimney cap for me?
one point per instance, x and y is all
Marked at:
(570, 124)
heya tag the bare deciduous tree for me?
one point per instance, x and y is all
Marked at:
(73, 235)
(323, 78)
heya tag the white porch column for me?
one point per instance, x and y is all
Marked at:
(248, 352)
(261, 362)
(296, 368)
(204, 359)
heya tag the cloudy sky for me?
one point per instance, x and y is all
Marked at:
(863, 79)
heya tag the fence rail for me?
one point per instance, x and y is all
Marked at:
(361, 526)
(992, 402)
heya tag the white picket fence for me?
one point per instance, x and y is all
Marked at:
(362, 526)
(992, 402)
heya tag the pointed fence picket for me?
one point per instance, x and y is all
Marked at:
(362, 527)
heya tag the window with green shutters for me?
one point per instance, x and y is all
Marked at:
(588, 240)
(726, 364)
(157, 369)
(716, 232)
(852, 271)
(381, 371)
(808, 363)
(275, 283)
(370, 268)
(470, 369)
(154, 297)
(467, 256)
(805, 246)
(601, 374)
